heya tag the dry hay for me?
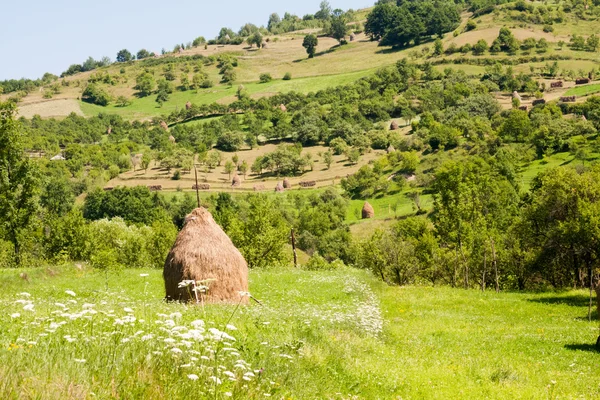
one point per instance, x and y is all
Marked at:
(538, 101)
(390, 149)
(171, 139)
(516, 95)
(568, 99)
(201, 186)
(305, 184)
(155, 188)
(286, 183)
(188, 105)
(523, 108)
(164, 125)
(203, 252)
(557, 84)
(368, 211)
(282, 107)
(279, 187)
(393, 126)
(582, 81)
(258, 188)
(236, 181)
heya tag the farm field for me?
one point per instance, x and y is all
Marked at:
(75, 333)
(584, 90)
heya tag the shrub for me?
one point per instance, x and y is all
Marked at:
(96, 95)
(266, 77)
(471, 25)
(548, 28)
(287, 76)
(177, 175)
(207, 83)
(318, 263)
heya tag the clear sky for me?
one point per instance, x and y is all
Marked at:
(40, 36)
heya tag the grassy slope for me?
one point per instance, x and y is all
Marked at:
(436, 342)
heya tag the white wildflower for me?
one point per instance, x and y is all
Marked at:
(79, 360)
(231, 327)
(144, 275)
(15, 315)
(70, 293)
(24, 294)
(176, 350)
(28, 307)
(215, 379)
(147, 337)
(228, 394)
(185, 283)
(128, 310)
(193, 377)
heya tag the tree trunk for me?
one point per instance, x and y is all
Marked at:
(495, 264)
(484, 268)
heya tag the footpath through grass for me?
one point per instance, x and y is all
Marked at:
(328, 335)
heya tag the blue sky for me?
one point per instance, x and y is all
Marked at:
(49, 35)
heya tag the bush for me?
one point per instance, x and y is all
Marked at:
(318, 263)
(177, 175)
(548, 28)
(95, 95)
(264, 78)
(287, 76)
(207, 83)
(471, 25)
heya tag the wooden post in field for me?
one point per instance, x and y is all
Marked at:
(590, 274)
(294, 248)
(197, 188)
(495, 264)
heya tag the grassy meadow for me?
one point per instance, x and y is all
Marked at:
(71, 332)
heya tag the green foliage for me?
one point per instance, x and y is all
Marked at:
(265, 77)
(310, 43)
(134, 205)
(19, 182)
(124, 56)
(287, 76)
(145, 84)
(96, 95)
(364, 184)
(255, 39)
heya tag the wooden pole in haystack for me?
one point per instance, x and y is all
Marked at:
(197, 192)
(294, 248)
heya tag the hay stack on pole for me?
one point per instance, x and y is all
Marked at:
(236, 181)
(202, 251)
(279, 188)
(390, 149)
(393, 126)
(286, 183)
(164, 125)
(367, 211)
(188, 105)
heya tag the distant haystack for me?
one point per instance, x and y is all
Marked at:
(286, 183)
(172, 139)
(352, 37)
(367, 211)
(516, 95)
(258, 188)
(236, 181)
(264, 45)
(282, 107)
(393, 126)
(202, 251)
(188, 105)
(390, 149)
(164, 125)
(109, 130)
(279, 188)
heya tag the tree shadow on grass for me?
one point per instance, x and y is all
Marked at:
(570, 300)
(320, 53)
(582, 347)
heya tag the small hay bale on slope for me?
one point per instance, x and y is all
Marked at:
(368, 211)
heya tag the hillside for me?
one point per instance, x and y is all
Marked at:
(333, 65)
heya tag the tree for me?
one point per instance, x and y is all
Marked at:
(266, 77)
(256, 38)
(480, 47)
(18, 181)
(438, 47)
(324, 11)
(593, 42)
(145, 84)
(124, 56)
(339, 28)
(96, 95)
(143, 53)
(244, 168)
(310, 44)
(229, 167)
(328, 158)
(146, 159)
(274, 19)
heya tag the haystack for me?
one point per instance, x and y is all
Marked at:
(164, 125)
(236, 181)
(172, 139)
(279, 188)
(516, 95)
(352, 37)
(202, 251)
(286, 183)
(393, 126)
(282, 107)
(264, 45)
(188, 105)
(390, 149)
(367, 211)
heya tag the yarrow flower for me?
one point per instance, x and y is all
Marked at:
(70, 293)
(185, 283)
(144, 275)
(15, 315)
(28, 307)
(193, 377)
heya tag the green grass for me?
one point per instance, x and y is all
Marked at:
(584, 90)
(384, 206)
(329, 335)
(146, 107)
